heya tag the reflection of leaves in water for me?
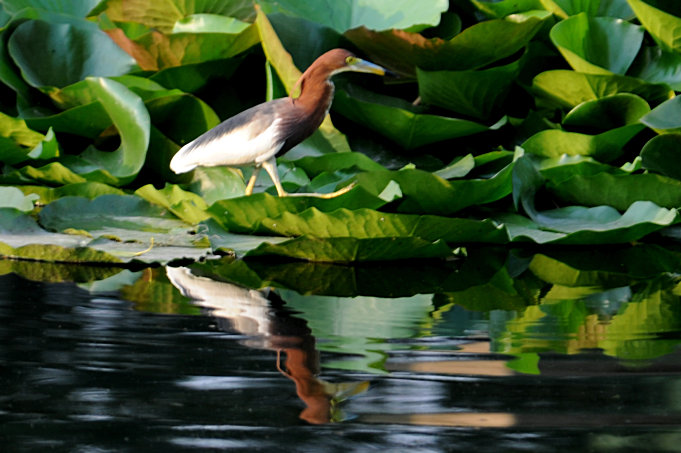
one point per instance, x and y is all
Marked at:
(56, 272)
(644, 327)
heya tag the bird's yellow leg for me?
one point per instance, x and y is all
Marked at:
(251, 182)
(270, 167)
(335, 194)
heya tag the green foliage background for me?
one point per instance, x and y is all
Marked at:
(534, 121)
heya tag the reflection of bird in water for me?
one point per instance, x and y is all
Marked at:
(269, 326)
(258, 135)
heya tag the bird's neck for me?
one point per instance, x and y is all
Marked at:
(316, 94)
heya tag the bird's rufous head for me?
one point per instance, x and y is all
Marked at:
(341, 60)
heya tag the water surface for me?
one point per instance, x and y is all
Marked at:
(499, 351)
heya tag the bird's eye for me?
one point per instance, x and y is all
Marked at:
(350, 60)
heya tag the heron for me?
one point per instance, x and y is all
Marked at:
(259, 135)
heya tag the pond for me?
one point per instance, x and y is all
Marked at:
(501, 350)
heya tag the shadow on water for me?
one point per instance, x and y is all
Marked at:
(499, 351)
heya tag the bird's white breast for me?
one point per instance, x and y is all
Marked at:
(244, 145)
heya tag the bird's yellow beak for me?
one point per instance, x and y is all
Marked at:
(359, 65)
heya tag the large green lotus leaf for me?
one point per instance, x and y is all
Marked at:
(426, 193)
(607, 113)
(108, 212)
(349, 249)
(126, 226)
(18, 143)
(478, 94)
(377, 15)
(597, 45)
(665, 118)
(12, 197)
(59, 54)
(570, 88)
(185, 205)
(88, 190)
(604, 147)
(163, 15)
(477, 46)
(400, 123)
(283, 64)
(664, 26)
(131, 118)
(244, 214)
(598, 225)
(609, 8)
(619, 191)
(79, 8)
(368, 223)
(662, 155)
(658, 66)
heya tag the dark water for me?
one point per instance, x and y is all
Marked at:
(567, 351)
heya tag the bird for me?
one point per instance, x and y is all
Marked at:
(259, 135)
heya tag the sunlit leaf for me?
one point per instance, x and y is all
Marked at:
(597, 45)
(12, 197)
(664, 26)
(185, 205)
(18, 143)
(83, 189)
(51, 174)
